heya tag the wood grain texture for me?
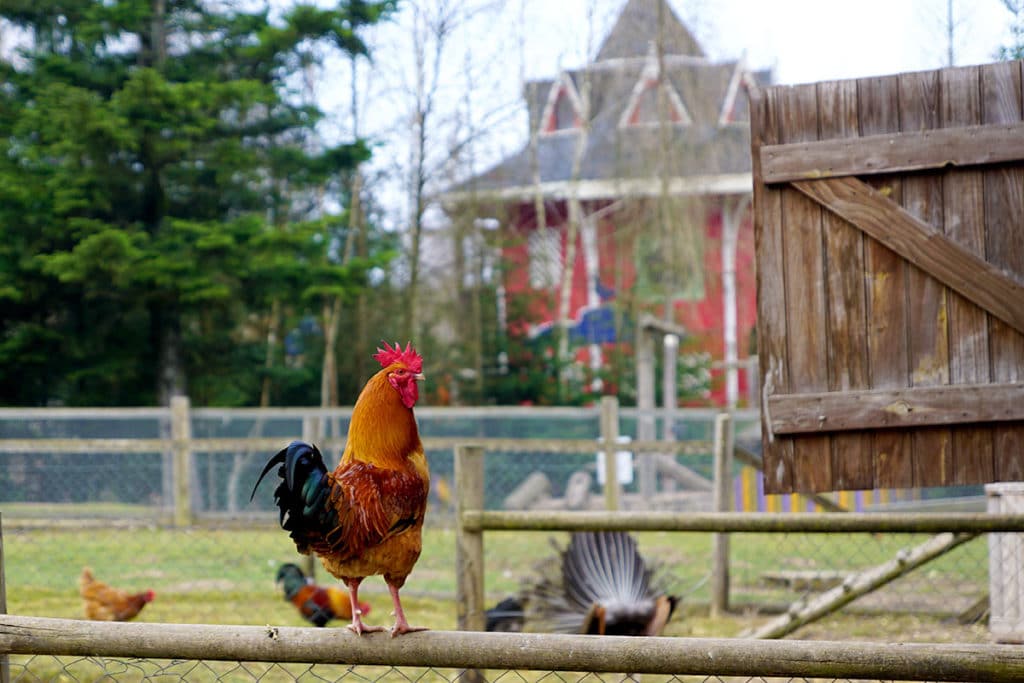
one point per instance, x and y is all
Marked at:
(911, 150)
(805, 290)
(544, 652)
(995, 289)
(892, 408)
(846, 308)
(909, 279)
(928, 339)
(771, 292)
(963, 222)
(1001, 102)
(878, 113)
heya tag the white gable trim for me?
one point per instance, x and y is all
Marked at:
(729, 103)
(562, 84)
(650, 73)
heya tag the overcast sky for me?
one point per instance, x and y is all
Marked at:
(800, 40)
(806, 40)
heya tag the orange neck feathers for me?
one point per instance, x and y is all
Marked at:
(382, 431)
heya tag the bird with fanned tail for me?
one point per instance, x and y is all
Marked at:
(600, 585)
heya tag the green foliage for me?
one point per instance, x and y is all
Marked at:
(1015, 50)
(152, 169)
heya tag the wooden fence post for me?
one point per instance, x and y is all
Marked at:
(610, 441)
(5, 662)
(646, 473)
(722, 502)
(469, 547)
(181, 446)
(670, 403)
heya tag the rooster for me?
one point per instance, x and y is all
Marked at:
(317, 604)
(599, 585)
(105, 603)
(365, 517)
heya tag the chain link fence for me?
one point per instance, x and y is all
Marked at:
(50, 668)
(63, 509)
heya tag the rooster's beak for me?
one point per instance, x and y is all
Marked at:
(419, 377)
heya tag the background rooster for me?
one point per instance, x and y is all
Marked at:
(105, 603)
(317, 604)
(365, 517)
(600, 584)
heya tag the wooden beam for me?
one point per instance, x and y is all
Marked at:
(515, 651)
(884, 408)
(753, 522)
(722, 502)
(893, 153)
(469, 549)
(5, 662)
(961, 270)
(649, 323)
(853, 587)
(748, 457)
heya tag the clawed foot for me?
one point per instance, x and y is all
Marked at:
(399, 629)
(359, 628)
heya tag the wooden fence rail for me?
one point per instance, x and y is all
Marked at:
(749, 522)
(515, 651)
(179, 446)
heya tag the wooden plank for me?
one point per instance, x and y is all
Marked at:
(771, 294)
(963, 223)
(743, 522)
(877, 102)
(1001, 102)
(909, 150)
(5, 662)
(706, 658)
(890, 408)
(610, 438)
(469, 543)
(985, 283)
(869, 580)
(721, 502)
(804, 280)
(846, 307)
(926, 297)
(181, 435)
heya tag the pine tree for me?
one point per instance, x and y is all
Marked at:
(154, 183)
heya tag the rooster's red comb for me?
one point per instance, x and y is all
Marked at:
(392, 354)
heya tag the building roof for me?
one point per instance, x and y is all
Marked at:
(637, 28)
(705, 147)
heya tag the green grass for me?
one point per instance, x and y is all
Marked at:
(227, 576)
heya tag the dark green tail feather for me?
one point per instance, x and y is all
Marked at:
(303, 493)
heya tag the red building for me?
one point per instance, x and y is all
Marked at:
(638, 177)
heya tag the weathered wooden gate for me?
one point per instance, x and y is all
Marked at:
(889, 218)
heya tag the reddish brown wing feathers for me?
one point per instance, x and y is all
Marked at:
(372, 503)
(103, 602)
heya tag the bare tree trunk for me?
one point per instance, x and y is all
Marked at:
(565, 289)
(574, 227)
(329, 370)
(273, 324)
(732, 215)
(425, 92)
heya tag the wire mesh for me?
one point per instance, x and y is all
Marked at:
(110, 511)
(40, 668)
